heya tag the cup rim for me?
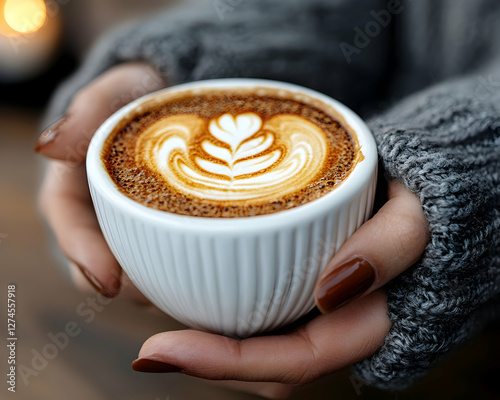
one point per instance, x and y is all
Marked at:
(359, 177)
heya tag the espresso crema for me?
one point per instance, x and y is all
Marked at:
(229, 152)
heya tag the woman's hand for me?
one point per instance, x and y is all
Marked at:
(347, 332)
(64, 197)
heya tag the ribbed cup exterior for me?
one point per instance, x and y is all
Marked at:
(234, 276)
(235, 283)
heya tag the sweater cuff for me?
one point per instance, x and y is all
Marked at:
(443, 144)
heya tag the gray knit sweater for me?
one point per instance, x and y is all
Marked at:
(426, 75)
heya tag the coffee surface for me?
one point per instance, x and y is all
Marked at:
(228, 153)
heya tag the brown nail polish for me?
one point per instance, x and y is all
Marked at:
(150, 365)
(50, 134)
(344, 283)
(94, 281)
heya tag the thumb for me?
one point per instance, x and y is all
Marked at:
(68, 138)
(383, 247)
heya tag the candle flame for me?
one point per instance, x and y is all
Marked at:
(25, 16)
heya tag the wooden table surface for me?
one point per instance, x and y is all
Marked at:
(95, 364)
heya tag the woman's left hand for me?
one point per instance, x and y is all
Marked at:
(348, 331)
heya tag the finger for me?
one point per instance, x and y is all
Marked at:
(65, 202)
(68, 138)
(386, 245)
(127, 288)
(323, 345)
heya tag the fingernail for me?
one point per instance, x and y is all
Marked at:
(150, 365)
(344, 283)
(50, 134)
(94, 281)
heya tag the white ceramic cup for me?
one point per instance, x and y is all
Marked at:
(233, 276)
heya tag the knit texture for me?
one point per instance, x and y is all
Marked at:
(443, 142)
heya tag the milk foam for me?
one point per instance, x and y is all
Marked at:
(241, 156)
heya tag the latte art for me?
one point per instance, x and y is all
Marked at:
(242, 158)
(228, 152)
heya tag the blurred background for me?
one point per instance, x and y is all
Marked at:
(41, 43)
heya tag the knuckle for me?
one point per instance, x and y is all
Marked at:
(85, 96)
(94, 94)
(408, 232)
(307, 367)
(233, 347)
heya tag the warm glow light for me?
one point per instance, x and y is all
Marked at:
(25, 16)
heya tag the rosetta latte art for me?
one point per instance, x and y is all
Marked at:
(234, 157)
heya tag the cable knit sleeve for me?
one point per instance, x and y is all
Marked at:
(444, 144)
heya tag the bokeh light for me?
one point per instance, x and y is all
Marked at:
(25, 16)
(29, 38)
